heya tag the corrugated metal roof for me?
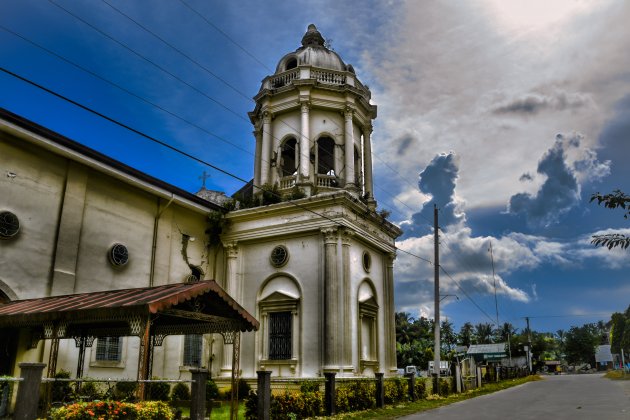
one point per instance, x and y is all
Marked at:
(138, 301)
(486, 348)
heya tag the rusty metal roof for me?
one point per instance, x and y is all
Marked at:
(205, 300)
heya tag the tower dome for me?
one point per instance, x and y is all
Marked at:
(313, 122)
(313, 52)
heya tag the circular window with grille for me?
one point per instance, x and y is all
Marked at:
(367, 261)
(279, 256)
(9, 225)
(118, 255)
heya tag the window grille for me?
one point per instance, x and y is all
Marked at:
(193, 344)
(109, 349)
(280, 327)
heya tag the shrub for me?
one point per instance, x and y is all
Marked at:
(90, 391)
(212, 391)
(395, 390)
(146, 410)
(356, 396)
(251, 406)
(309, 386)
(420, 390)
(61, 391)
(125, 391)
(445, 387)
(157, 391)
(297, 405)
(180, 392)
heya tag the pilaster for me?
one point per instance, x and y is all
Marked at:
(331, 300)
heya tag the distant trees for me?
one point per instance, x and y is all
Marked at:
(483, 333)
(580, 344)
(620, 332)
(616, 199)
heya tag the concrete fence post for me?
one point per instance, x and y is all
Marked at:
(198, 394)
(458, 378)
(380, 390)
(329, 393)
(479, 378)
(411, 387)
(264, 394)
(28, 391)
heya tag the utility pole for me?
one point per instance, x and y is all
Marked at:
(529, 347)
(436, 348)
(496, 304)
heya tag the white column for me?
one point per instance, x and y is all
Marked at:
(305, 143)
(367, 163)
(265, 158)
(346, 297)
(232, 288)
(349, 149)
(388, 313)
(331, 301)
(257, 158)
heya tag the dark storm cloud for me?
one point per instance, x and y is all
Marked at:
(533, 103)
(615, 142)
(438, 180)
(557, 195)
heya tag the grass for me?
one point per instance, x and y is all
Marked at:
(617, 375)
(433, 401)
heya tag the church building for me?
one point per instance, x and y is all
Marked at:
(302, 248)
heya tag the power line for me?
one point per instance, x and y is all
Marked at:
(467, 295)
(168, 146)
(122, 88)
(225, 35)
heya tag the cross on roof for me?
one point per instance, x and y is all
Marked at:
(203, 178)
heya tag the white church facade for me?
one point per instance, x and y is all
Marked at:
(315, 268)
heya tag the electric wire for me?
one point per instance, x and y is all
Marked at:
(173, 148)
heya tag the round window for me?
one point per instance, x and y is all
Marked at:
(367, 261)
(118, 255)
(279, 256)
(9, 225)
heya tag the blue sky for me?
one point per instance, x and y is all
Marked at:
(507, 115)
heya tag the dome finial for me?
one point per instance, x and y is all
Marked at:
(312, 37)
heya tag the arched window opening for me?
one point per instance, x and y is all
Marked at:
(326, 156)
(288, 157)
(4, 298)
(291, 63)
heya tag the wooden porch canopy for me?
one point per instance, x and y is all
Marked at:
(150, 313)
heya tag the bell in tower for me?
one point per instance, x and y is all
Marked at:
(313, 121)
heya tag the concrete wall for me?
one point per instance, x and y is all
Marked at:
(70, 215)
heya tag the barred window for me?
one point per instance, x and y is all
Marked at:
(280, 327)
(193, 344)
(109, 349)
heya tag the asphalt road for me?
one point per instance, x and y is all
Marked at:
(575, 397)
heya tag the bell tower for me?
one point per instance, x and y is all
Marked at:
(313, 122)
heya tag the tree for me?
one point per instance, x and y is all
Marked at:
(580, 343)
(504, 333)
(483, 333)
(616, 333)
(616, 199)
(447, 336)
(465, 334)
